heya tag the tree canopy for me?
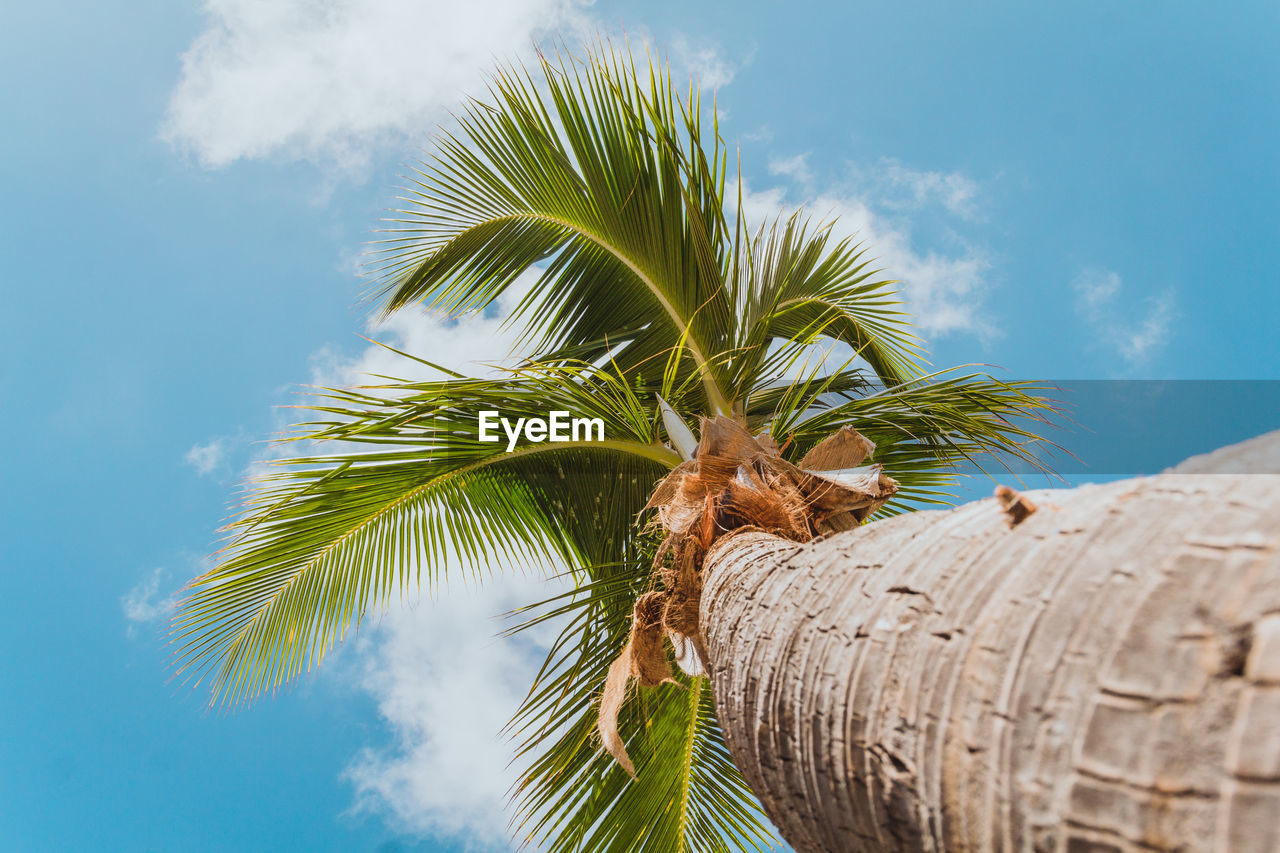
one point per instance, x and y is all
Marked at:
(613, 185)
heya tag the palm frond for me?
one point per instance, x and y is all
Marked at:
(797, 286)
(329, 538)
(924, 430)
(687, 795)
(601, 172)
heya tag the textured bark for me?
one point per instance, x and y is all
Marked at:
(1103, 676)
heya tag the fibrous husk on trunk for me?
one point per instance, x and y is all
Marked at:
(734, 480)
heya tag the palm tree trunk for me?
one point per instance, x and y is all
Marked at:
(1103, 676)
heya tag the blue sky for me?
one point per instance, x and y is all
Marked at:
(1082, 190)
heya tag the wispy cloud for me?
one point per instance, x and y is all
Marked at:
(795, 167)
(904, 187)
(707, 62)
(1135, 334)
(1151, 333)
(150, 601)
(207, 457)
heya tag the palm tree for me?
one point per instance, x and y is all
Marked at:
(655, 305)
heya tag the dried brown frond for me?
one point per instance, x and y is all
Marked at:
(844, 449)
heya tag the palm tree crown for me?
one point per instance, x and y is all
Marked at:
(597, 174)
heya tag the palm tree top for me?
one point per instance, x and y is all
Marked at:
(599, 175)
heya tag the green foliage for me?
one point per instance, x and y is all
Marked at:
(610, 183)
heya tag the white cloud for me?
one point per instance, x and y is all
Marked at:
(1135, 338)
(336, 80)
(912, 188)
(796, 168)
(1152, 331)
(1095, 290)
(206, 458)
(145, 603)
(444, 683)
(445, 686)
(331, 79)
(471, 344)
(707, 63)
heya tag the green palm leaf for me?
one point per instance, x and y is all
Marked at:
(330, 537)
(592, 171)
